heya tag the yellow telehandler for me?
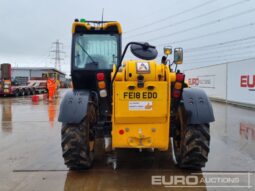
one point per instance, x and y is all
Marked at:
(138, 104)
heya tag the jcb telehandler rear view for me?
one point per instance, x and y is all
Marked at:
(138, 104)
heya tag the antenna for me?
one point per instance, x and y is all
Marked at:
(102, 16)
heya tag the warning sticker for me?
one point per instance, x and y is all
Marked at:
(140, 105)
(142, 67)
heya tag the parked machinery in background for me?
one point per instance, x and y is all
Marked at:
(11, 87)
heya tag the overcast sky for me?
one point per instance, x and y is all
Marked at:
(28, 27)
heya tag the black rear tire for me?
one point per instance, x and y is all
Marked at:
(78, 142)
(195, 147)
(16, 94)
(22, 92)
(192, 145)
(27, 92)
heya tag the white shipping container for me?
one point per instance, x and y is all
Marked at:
(241, 81)
(233, 82)
(211, 79)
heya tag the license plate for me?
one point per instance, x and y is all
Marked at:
(140, 95)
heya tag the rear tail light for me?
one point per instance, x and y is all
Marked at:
(100, 76)
(178, 85)
(176, 93)
(180, 77)
(101, 85)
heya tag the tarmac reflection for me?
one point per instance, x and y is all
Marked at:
(6, 115)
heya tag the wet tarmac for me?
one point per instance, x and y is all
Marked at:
(31, 158)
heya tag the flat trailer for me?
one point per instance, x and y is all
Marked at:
(9, 87)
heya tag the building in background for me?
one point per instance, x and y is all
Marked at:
(23, 74)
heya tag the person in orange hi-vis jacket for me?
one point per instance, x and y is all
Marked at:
(51, 86)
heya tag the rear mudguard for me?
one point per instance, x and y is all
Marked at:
(73, 107)
(197, 105)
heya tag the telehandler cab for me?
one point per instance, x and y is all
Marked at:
(137, 104)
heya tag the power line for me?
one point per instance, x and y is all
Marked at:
(190, 19)
(240, 49)
(209, 34)
(219, 51)
(199, 64)
(174, 15)
(226, 44)
(220, 56)
(219, 44)
(214, 62)
(216, 58)
(158, 11)
(221, 61)
(205, 24)
(219, 47)
(222, 53)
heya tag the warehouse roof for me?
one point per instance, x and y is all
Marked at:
(38, 68)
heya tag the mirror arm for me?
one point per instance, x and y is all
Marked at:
(176, 65)
(121, 59)
(145, 46)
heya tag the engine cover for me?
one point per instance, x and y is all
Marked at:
(140, 117)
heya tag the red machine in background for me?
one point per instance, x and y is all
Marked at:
(6, 85)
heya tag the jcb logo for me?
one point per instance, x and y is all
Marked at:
(247, 81)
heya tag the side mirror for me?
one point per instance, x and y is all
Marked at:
(168, 50)
(178, 55)
(144, 51)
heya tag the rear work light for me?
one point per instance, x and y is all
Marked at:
(100, 76)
